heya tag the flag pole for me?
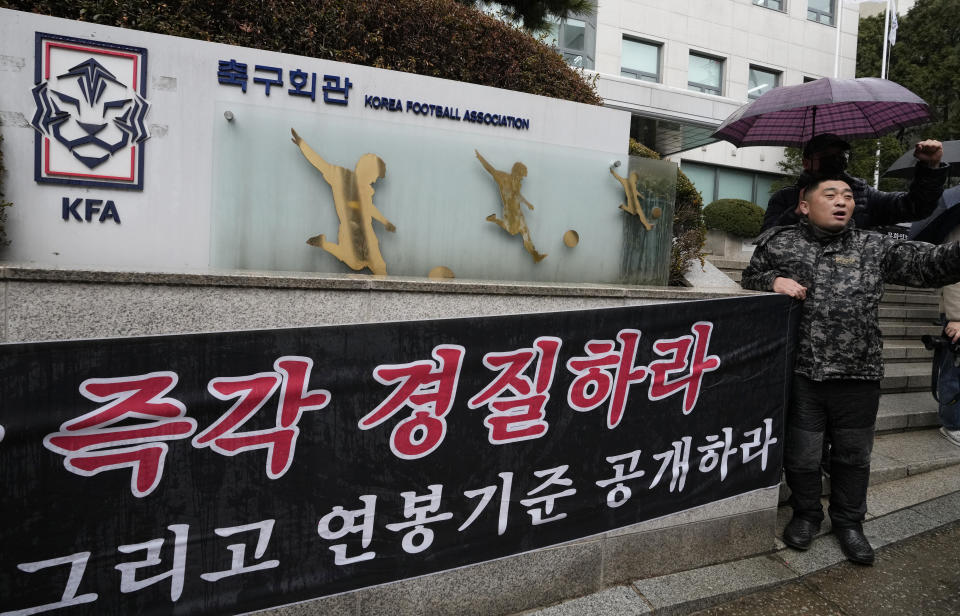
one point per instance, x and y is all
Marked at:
(883, 75)
(886, 38)
(836, 53)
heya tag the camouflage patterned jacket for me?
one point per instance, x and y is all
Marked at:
(844, 273)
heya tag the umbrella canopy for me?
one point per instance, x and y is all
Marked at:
(850, 108)
(935, 227)
(903, 166)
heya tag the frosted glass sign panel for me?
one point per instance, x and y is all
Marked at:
(476, 205)
(255, 160)
(647, 236)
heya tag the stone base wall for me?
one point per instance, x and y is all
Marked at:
(725, 246)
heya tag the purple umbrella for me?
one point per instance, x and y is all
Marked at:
(851, 108)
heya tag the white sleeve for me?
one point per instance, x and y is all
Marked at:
(950, 294)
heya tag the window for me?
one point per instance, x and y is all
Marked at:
(820, 11)
(640, 60)
(705, 74)
(574, 39)
(726, 183)
(776, 5)
(761, 81)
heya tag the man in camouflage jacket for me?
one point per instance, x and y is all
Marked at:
(839, 272)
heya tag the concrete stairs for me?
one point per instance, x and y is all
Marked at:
(914, 482)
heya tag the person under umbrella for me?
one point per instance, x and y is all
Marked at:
(818, 116)
(828, 153)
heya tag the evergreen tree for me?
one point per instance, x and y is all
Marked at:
(536, 14)
(925, 59)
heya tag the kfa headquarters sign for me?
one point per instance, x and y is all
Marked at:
(388, 173)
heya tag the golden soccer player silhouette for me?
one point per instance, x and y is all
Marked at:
(633, 197)
(357, 244)
(513, 221)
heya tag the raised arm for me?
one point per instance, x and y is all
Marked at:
(315, 159)
(929, 177)
(486, 165)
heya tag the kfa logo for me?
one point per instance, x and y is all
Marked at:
(90, 112)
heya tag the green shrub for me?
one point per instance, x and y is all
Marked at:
(438, 38)
(735, 216)
(689, 233)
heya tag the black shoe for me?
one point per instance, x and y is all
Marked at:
(854, 545)
(799, 533)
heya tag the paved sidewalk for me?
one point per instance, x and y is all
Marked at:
(918, 576)
(920, 542)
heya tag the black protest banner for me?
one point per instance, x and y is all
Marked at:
(229, 472)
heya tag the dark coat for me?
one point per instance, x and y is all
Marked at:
(874, 208)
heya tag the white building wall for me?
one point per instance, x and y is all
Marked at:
(869, 9)
(738, 31)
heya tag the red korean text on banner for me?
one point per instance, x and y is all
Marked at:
(429, 388)
(594, 383)
(517, 405)
(252, 392)
(94, 442)
(681, 359)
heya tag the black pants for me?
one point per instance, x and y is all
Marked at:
(846, 410)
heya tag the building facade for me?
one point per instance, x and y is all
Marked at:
(680, 67)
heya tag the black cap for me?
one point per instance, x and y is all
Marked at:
(822, 142)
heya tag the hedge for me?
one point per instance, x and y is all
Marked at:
(438, 38)
(735, 216)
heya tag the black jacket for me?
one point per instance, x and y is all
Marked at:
(874, 208)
